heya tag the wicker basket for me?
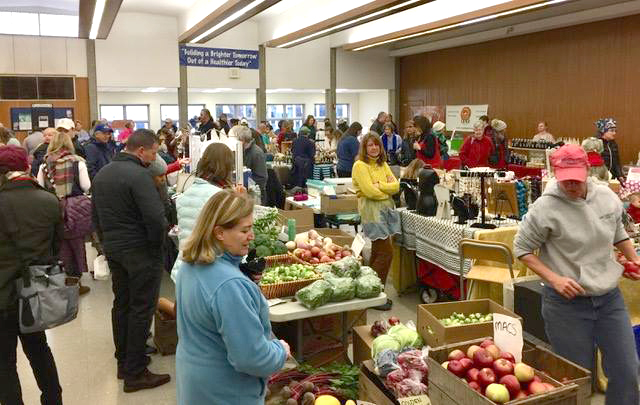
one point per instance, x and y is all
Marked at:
(298, 260)
(290, 287)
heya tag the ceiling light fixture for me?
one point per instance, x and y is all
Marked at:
(218, 90)
(463, 23)
(97, 18)
(152, 89)
(228, 20)
(349, 23)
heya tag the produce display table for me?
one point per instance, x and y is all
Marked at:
(294, 311)
(436, 241)
(312, 202)
(524, 171)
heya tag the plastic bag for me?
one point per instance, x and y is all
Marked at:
(347, 267)
(386, 362)
(414, 364)
(367, 271)
(412, 377)
(101, 268)
(324, 269)
(342, 288)
(315, 295)
(368, 287)
(408, 388)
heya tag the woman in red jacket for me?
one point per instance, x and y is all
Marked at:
(476, 148)
(427, 146)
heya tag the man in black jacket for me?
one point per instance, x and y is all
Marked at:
(36, 215)
(130, 221)
(607, 130)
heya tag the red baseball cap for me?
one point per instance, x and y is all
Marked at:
(570, 162)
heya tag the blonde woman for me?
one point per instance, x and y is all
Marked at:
(375, 186)
(225, 350)
(66, 174)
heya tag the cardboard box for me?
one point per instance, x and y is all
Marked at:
(303, 217)
(340, 204)
(560, 369)
(362, 342)
(339, 237)
(435, 334)
(446, 388)
(371, 388)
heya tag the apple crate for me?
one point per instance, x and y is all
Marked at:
(371, 388)
(435, 333)
(447, 389)
(561, 370)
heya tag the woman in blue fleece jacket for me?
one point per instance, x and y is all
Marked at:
(225, 351)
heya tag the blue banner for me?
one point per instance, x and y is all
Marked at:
(218, 57)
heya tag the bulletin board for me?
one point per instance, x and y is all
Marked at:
(22, 117)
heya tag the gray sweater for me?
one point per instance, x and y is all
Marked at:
(575, 237)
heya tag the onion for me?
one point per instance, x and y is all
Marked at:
(328, 241)
(290, 245)
(302, 245)
(312, 234)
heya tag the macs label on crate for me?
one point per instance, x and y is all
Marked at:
(507, 334)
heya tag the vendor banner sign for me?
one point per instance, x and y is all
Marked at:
(218, 57)
(462, 117)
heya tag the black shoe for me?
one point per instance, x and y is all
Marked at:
(150, 350)
(121, 373)
(145, 380)
(384, 307)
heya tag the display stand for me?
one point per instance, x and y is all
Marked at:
(483, 195)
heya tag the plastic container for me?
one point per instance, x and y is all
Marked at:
(291, 228)
(636, 332)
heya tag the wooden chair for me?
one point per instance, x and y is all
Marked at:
(484, 250)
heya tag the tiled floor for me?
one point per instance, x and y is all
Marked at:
(83, 350)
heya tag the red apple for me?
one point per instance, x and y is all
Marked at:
(498, 393)
(471, 350)
(508, 356)
(486, 376)
(521, 394)
(537, 388)
(315, 251)
(466, 363)
(456, 368)
(523, 372)
(394, 320)
(486, 342)
(482, 359)
(494, 351)
(630, 267)
(511, 382)
(502, 367)
(472, 374)
(475, 386)
(456, 355)
(550, 387)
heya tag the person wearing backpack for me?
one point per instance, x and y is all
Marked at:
(40, 228)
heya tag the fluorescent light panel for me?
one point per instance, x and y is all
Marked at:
(227, 20)
(464, 23)
(218, 90)
(346, 23)
(153, 89)
(97, 18)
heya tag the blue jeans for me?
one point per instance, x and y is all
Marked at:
(576, 327)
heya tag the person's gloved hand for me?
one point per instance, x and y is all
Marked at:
(253, 266)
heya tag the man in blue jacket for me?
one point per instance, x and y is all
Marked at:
(98, 151)
(130, 221)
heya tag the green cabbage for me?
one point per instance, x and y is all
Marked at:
(324, 268)
(384, 342)
(367, 271)
(347, 267)
(315, 295)
(368, 287)
(342, 288)
(407, 337)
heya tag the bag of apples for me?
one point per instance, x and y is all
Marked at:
(411, 378)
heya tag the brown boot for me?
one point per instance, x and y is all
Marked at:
(145, 380)
(83, 288)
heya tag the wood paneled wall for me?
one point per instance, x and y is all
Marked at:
(80, 106)
(568, 77)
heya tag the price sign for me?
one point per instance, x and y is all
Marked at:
(507, 335)
(419, 400)
(358, 402)
(357, 245)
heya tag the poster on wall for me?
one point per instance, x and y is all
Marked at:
(433, 112)
(218, 57)
(462, 117)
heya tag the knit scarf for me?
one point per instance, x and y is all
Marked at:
(59, 172)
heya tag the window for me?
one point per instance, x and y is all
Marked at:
(138, 113)
(277, 112)
(172, 111)
(238, 111)
(342, 111)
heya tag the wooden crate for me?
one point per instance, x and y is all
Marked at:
(370, 387)
(559, 368)
(447, 389)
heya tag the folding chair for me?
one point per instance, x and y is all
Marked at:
(484, 250)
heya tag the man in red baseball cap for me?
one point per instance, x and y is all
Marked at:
(573, 225)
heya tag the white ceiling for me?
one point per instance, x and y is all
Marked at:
(277, 9)
(163, 7)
